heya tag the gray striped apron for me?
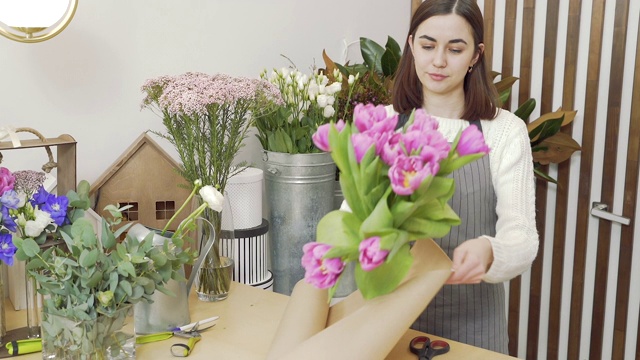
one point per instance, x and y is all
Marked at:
(471, 314)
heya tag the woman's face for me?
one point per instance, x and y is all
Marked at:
(443, 50)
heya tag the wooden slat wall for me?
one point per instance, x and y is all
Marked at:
(565, 306)
(626, 243)
(561, 335)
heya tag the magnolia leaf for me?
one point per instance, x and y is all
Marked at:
(504, 96)
(371, 54)
(494, 74)
(567, 119)
(545, 130)
(560, 147)
(540, 174)
(505, 84)
(386, 277)
(525, 109)
(329, 64)
(393, 47)
(389, 63)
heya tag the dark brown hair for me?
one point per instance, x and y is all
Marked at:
(480, 96)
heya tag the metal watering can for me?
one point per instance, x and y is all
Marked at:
(167, 311)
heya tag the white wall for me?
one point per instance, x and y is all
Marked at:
(86, 81)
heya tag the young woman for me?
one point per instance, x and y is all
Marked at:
(443, 71)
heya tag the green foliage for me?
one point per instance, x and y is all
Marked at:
(375, 74)
(84, 277)
(548, 143)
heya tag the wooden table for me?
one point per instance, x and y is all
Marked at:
(248, 319)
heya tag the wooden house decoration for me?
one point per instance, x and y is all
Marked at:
(145, 177)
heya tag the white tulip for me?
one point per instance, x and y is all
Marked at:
(212, 197)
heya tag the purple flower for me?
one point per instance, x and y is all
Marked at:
(10, 199)
(321, 136)
(7, 220)
(39, 197)
(374, 118)
(7, 180)
(56, 206)
(319, 272)
(472, 142)
(371, 256)
(408, 172)
(7, 249)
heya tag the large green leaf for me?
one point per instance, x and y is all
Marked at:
(525, 109)
(372, 54)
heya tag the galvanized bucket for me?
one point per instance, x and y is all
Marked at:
(299, 192)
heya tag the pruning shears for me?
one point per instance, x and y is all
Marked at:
(179, 349)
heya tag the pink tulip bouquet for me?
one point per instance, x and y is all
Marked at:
(397, 187)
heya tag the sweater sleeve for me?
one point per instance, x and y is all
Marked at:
(515, 244)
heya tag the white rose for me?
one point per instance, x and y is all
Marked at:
(212, 197)
(328, 111)
(334, 88)
(33, 228)
(313, 90)
(330, 99)
(322, 100)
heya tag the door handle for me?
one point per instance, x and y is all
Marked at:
(599, 210)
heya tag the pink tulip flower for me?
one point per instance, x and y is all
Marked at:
(472, 142)
(319, 272)
(321, 136)
(408, 173)
(374, 118)
(371, 256)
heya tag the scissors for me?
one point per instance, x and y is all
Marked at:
(427, 349)
(179, 349)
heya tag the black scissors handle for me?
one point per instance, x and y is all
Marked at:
(427, 349)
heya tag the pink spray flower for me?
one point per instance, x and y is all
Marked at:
(408, 173)
(371, 256)
(7, 180)
(321, 136)
(472, 142)
(319, 272)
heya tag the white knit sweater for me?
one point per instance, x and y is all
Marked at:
(516, 242)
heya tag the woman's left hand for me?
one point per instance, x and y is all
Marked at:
(471, 260)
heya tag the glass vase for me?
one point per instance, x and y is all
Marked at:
(213, 278)
(3, 320)
(32, 305)
(97, 339)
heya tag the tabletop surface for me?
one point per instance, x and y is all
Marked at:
(248, 320)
